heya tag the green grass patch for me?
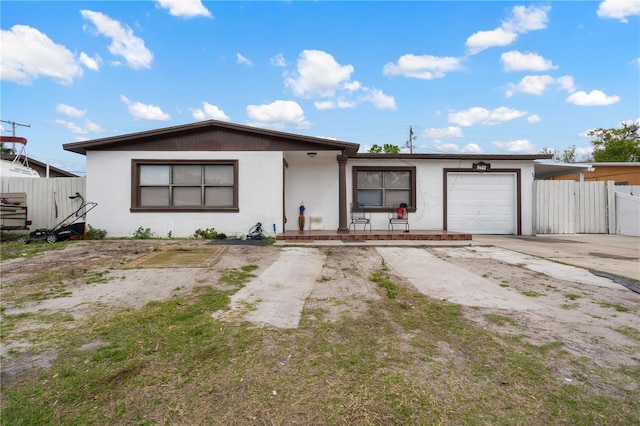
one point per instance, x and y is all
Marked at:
(569, 306)
(531, 293)
(407, 360)
(13, 250)
(238, 278)
(572, 296)
(383, 280)
(630, 332)
(500, 320)
(97, 277)
(618, 307)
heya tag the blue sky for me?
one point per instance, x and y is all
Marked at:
(467, 77)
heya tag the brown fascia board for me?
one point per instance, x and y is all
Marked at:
(201, 126)
(479, 157)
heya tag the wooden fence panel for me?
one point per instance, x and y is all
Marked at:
(47, 198)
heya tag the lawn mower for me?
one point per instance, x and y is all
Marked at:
(72, 227)
(255, 233)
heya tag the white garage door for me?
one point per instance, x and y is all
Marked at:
(481, 203)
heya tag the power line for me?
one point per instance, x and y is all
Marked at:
(13, 126)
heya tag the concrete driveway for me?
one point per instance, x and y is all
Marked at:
(614, 254)
(279, 294)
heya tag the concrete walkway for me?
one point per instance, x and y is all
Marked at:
(614, 254)
(276, 297)
(445, 281)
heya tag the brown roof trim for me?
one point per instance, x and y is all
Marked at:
(201, 127)
(369, 156)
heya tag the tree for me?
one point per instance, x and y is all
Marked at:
(567, 156)
(616, 145)
(387, 149)
(5, 150)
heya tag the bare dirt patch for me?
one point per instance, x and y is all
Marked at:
(597, 324)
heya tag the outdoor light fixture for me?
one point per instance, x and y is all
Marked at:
(311, 154)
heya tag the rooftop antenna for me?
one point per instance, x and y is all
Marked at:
(13, 130)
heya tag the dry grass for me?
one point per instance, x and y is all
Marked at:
(402, 359)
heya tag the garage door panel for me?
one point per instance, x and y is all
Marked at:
(481, 203)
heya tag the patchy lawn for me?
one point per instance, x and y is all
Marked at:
(87, 341)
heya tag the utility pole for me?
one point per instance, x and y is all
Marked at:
(13, 132)
(411, 139)
(13, 126)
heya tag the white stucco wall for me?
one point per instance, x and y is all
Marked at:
(109, 184)
(429, 189)
(314, 182)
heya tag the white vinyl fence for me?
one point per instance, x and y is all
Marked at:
(48, 199)
(569, 207)
(627, 214)
(629, 189)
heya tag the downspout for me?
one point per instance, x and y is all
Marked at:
(342, 193)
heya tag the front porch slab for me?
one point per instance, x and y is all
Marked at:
(374, 235)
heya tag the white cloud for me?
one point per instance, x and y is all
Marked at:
(518, 61)
(352, 86)
(446, 147)
(209, 112)
(27, 54)
(426, 67)
(518, 145)
(74, 128)
(593, 98)
(448, 132)
(318, 74)
(533, 118)
(619, 9)
(471, 148)
(140, 111)
(93, 127)
(70, 111)
(123, 42)
(278, 60)
(538, 84)
(337, 104)
(522, 20)
(88, 127)
(531, 84)
(185, 8)
(566, 83)
(481, 115)
(379, 99)
(242, 60)
(482, 40)
(525, 19)
(89, 62)
(584, 152)
(585, 134)
(277, 115)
